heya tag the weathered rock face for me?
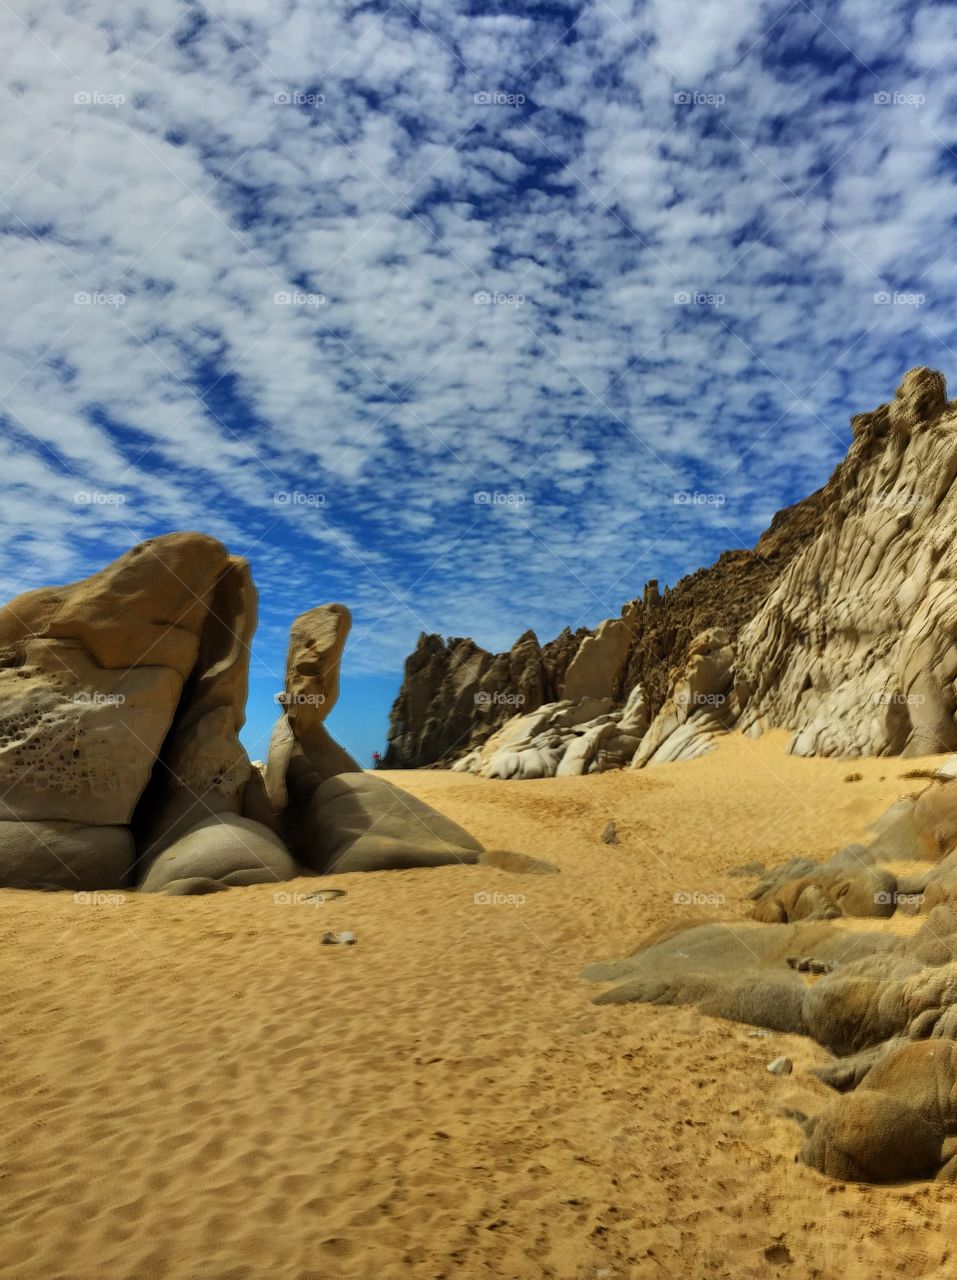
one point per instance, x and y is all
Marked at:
(596, 669)
(841, 625)
(203, 769)
(91, 682)
(856, 647)
(700, 705)
(455, 694)
(91, 674)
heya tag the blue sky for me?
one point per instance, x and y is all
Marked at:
(433, 309)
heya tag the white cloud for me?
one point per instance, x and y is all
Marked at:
(388, 189)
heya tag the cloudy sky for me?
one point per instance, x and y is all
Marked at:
(442, 309)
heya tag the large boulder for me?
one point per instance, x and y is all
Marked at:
(360, 822)
(91, 676)
(64, 855)
(225, 849)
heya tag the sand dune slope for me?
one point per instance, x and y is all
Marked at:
(198, 1088)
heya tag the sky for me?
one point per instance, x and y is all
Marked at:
(470, 316)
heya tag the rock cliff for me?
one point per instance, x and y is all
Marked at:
(840, 624)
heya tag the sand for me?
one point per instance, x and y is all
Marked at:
(198, 1088)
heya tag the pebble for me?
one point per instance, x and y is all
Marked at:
(781, 1067)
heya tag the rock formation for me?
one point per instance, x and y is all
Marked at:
(885, 1004)
(455, 694)
(855, 648)
(336, 817)
(841, 626)
(121, 701)
(91, 680)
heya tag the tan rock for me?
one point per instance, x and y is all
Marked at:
(204, 768)
(334, 815)
(224, 848)
(90, 678)
(596, 669)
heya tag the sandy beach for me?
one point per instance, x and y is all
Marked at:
(196, 1087)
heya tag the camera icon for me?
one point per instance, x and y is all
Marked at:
(282, 899)
(682, 898)
(283, 98)
(482, 498)
(682, 299)
(882, 298)
(682, 98)
(282, 298)
(482, 98)
(482, 899)
(882, 99)
(281, 498)
(82, 99)
(883, 899)
(82, 299)
(482, 298)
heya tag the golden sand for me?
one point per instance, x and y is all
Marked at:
(197, 1088)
